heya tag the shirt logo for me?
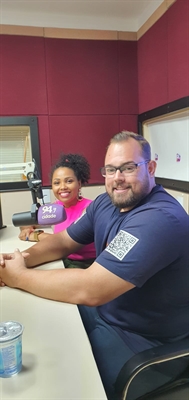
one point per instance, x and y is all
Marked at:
(121, 244)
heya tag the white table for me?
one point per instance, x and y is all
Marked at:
(58, 363)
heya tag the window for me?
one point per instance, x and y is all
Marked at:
(167, 130)
(19, 146)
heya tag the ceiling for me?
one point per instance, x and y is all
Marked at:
(125, 15)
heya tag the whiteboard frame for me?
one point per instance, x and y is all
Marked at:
(163, 111)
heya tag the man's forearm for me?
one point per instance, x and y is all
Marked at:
(60, 285)
(93, 286)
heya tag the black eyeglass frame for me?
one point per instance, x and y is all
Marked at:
(103, 169)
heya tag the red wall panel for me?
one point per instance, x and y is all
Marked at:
(92, 86)
(87, 135)
(87, 83)
(45, 149)
(163, 59)
(128, 77)
(152, 66)
(178, 50)
(129, 123)
(82, 76)
(22, 76)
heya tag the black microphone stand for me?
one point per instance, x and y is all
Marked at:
(1, 217)
(36, 192)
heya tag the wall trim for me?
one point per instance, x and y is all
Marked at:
(80, 34)
(91, 34)
(154, 17)
(21, 30)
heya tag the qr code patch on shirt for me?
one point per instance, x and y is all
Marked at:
(121, 244)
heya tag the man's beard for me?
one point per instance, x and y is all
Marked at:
(125, 201)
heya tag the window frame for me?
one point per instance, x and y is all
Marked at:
(164, 110)
(32, 122)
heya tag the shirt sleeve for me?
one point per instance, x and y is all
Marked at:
(146, 243)
(82, 229)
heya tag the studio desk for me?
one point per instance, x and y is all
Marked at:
(58, 363)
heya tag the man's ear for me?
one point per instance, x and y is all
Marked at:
(152, 167)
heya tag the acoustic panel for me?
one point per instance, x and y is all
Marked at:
(22, 76)
(129, 123)
(128, 77)
(45, 149)
(178, 50)
(86, 135)
(82, 76)
(152, 66)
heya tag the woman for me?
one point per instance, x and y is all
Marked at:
(67, 177)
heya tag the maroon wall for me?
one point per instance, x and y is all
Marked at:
(83, 92)
(163, 59)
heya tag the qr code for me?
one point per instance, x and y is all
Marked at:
(121, 244)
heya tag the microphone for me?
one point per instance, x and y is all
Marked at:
(47, 214)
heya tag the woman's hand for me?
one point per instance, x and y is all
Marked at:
(25, 232)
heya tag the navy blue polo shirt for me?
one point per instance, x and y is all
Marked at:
(149, 247)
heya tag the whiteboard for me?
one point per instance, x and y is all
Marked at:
(168, 136)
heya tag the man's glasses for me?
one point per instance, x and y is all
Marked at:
(126, 169)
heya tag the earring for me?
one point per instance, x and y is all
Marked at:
(80, 197)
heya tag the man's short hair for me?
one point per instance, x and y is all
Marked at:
(126, 135)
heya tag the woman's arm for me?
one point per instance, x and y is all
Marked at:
(25, 231)
(54, 247)
(31, 234)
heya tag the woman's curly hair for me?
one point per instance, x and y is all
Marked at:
(77, 163)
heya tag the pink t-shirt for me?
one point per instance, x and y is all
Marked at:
(73, 213)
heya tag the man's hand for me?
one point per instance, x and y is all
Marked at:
(11, 266)
(10, 256)
(4, 257)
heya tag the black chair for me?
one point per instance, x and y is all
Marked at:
(153, 363)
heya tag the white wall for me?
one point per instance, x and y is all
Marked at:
(15, 202)
(182, 198)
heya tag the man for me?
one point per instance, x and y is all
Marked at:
(135, 295)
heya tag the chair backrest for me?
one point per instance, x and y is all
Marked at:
(176, 390)
(155, 371)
